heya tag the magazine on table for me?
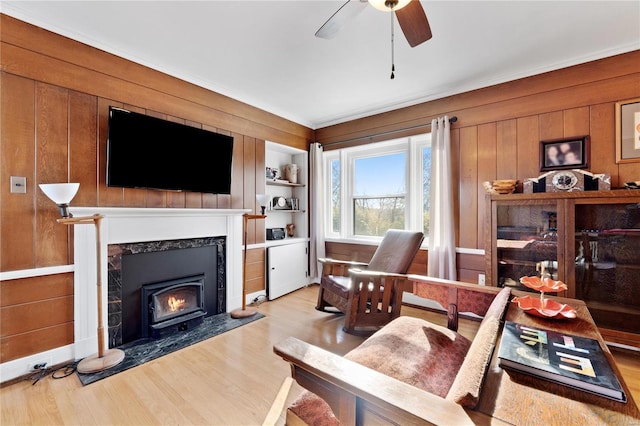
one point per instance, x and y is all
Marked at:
(570, 360)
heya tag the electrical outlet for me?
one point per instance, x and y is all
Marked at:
(39, 365)
(481, 279)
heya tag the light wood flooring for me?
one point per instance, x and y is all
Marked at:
(230, 379)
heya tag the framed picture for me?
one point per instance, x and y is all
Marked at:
(272, 173)
(628, 131)
(567, 153)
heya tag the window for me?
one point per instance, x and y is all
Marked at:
(379, 193)
(377, 187)
(335, 195)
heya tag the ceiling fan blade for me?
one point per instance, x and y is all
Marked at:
(414, 23)
(346, 12)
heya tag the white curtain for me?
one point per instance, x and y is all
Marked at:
(316, 209)
(442, 247)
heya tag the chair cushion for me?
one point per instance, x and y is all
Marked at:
(412, 350)
(337, 284)
(396, 251)
(313, 410)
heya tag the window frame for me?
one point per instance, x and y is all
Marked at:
(412, 148)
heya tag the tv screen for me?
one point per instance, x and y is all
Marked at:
(147, 152)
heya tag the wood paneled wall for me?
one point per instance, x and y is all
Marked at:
(36, 314)
(55, 98)
(256, 280)
(469, 265)
(499, 129)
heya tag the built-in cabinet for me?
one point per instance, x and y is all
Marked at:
(287, 210)
(589, 240)
(287, 268)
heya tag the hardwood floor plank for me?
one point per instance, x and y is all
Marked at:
(628, 362)
(232, 378)
(73, 408)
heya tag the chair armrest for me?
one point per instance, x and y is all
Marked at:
(401, 281)
(351, 263)
(353, 390)
(338, 267)
(362, 273)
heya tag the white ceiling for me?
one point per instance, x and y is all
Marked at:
(264, 53)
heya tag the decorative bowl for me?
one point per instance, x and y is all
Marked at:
(504, 191)
(504, 186)
(544, 308)
(505, 182)
(543, 285)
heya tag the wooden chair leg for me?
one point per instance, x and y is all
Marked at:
(321, 304)
(278, 404)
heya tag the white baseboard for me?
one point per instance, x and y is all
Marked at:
(23, 366)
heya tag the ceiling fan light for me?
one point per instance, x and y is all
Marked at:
(384, 5)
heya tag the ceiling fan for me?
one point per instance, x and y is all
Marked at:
(411, 17)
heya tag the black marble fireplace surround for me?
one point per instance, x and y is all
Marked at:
(132, 265)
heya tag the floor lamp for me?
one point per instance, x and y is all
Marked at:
(244, 311)
(62, 194)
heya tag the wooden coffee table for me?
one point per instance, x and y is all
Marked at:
(517, 398)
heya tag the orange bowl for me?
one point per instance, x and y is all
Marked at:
(545, 309)
(543, 285)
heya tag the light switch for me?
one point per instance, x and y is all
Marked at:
(18, 185)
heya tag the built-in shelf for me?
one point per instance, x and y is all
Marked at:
(276, 183)
(287, 260)
(288, 240)
(285, 211)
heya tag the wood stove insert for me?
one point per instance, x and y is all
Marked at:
(172, 306)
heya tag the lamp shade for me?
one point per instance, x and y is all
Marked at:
(384, 5)
(263, 199)
(60, 193)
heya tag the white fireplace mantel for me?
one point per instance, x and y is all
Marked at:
(132, 225)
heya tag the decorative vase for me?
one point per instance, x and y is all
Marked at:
(291, 227)
(291, 173)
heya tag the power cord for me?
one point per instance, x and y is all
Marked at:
(65, 370)
(40, 371)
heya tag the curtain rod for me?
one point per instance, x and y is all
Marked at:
(390, 132)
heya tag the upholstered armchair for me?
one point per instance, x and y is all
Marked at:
(369, 294)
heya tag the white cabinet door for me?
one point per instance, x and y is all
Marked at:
(286, 269)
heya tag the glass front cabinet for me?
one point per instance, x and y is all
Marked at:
(589, 240)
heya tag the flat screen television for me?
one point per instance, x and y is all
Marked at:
(147, 152)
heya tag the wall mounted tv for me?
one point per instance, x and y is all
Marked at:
(147, 152)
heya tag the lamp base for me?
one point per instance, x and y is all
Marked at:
(93, 363)
(243, 313)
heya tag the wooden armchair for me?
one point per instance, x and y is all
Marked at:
(370, 295)
(409, 372)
